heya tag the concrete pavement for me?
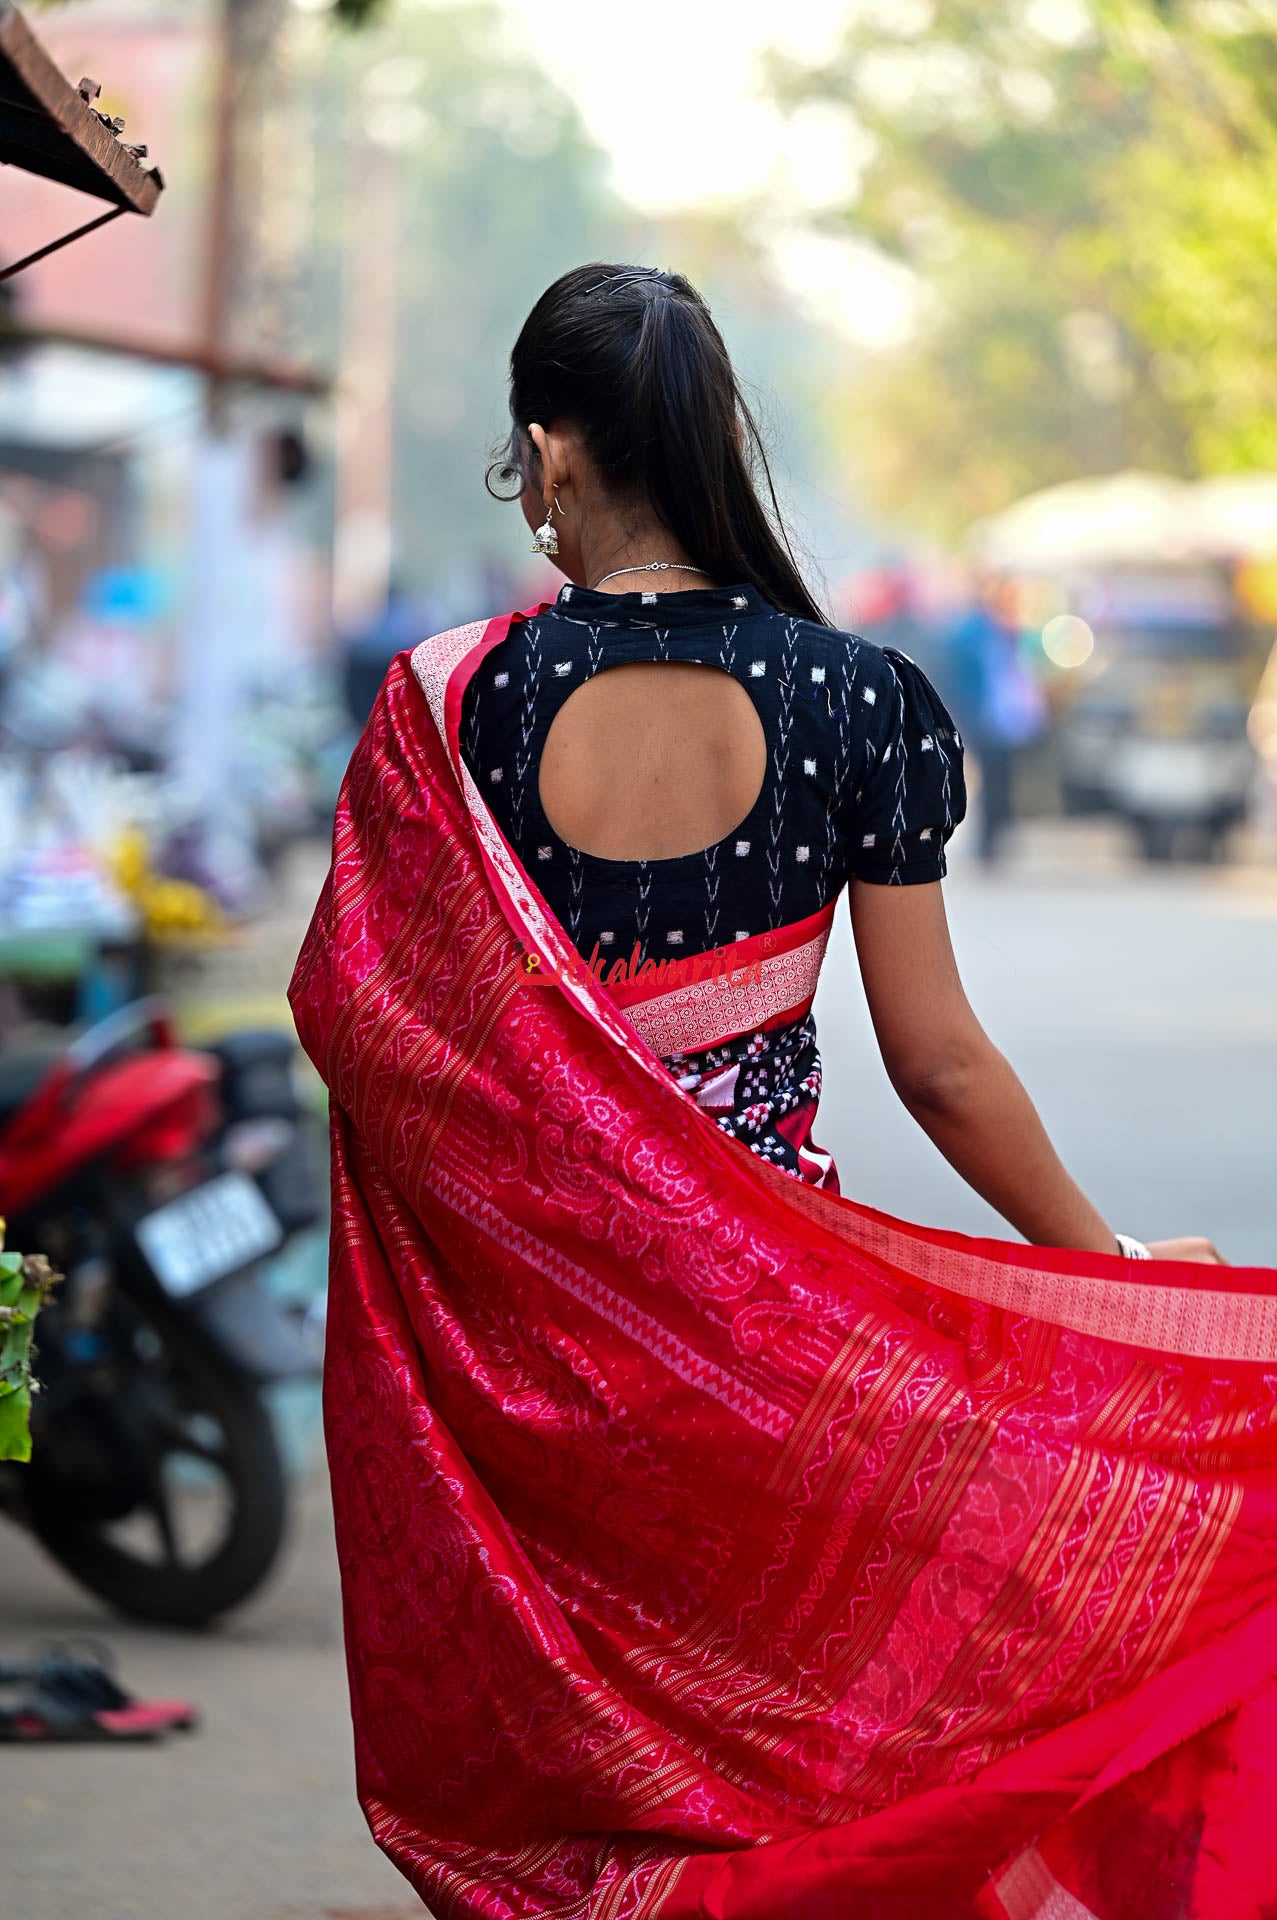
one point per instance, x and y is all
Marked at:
(250, 1817)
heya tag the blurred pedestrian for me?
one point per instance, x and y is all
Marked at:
(368, 650)
(999, 702)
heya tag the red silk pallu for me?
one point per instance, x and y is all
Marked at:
(710, 1545)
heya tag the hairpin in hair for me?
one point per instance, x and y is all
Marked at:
(632, 277)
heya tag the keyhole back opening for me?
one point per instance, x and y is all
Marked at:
(652, 760)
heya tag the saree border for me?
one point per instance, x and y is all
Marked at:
(1086, 1293)
(765, 981)
(1028, 1890)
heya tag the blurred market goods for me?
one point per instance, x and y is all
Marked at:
(169, 907)
(62, 887)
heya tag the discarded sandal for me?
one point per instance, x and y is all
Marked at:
(61, 1688)
(34, 1714)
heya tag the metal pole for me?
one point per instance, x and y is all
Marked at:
(42, 253)
(220, 215)
(365, 393)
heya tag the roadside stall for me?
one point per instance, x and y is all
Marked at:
(162, 725)
(71, 942)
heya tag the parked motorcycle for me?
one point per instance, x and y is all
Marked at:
(158, 1178)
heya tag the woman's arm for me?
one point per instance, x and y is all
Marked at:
(962, 1092)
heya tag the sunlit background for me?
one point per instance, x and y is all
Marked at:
(1000, 279)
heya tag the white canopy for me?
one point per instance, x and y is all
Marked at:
(1131, 517)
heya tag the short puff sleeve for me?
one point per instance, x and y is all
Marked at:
(912, 793)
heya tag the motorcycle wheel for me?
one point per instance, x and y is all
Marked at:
(246, 1458)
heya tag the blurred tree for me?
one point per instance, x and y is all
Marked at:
(496, 190)
(1085, 190)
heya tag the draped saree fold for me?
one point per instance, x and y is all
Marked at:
(712, 1546)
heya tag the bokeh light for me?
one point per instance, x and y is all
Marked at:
(1067, 641)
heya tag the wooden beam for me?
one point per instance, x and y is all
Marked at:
(47, 128)
(280, 376)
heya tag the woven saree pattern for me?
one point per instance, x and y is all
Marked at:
(711, 1545)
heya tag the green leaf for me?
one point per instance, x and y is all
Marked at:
(22, 1294)
(15, 1430)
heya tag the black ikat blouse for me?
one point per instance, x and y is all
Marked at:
(864, 781)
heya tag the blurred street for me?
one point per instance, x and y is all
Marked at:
(1139, 1007)
(1155, 1070)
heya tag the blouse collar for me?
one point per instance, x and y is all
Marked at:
(694, 606)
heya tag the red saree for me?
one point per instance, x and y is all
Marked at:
(710, 1545)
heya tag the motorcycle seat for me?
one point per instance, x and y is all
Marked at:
(21, 1073)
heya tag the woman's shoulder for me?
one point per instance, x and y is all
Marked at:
(896, 679)
(922, 701)
(895, 695)
(834, 648)
(883, 669)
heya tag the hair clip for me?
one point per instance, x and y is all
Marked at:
(632, 277)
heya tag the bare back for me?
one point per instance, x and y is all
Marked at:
(652, 760)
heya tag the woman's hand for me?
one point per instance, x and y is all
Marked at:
(1191, 1248)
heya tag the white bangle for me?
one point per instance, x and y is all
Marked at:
(1132, 1249)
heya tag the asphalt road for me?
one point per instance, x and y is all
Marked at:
(1139, 1007)
(1141, 1010)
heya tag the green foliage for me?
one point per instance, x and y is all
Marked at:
(1085, 193)
(25, 1283)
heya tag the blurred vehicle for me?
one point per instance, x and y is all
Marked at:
(1155, 596)
(159, 1179)
(1157, 731)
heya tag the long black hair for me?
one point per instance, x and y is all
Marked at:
(631, 357)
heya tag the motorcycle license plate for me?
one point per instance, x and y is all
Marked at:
(214, 1230)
